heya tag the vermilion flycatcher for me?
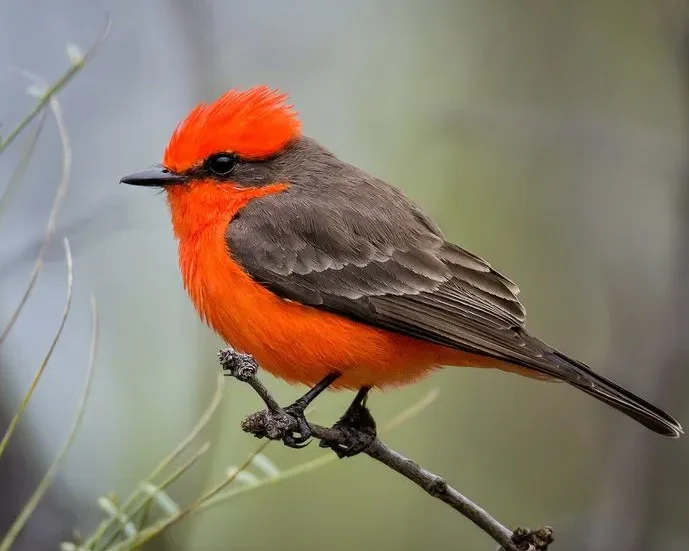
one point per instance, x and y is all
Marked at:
(329, 276)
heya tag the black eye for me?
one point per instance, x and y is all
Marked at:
(221, 164)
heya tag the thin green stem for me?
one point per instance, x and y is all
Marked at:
(41, 368)
(55, 88)
(216, 495)
(52, 219)
(205, 418)
(145, 503)
(412, 411)
(154, 530)
(19, 170)
(49, 477)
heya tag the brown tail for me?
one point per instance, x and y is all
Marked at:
(580, 376)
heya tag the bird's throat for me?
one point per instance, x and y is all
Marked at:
(200, 205)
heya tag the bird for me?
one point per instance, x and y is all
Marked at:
(330, 277)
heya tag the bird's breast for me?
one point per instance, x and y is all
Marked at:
(294, 342)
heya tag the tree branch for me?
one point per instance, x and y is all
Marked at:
(275, 422)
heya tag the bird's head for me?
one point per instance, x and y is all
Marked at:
(221, 150)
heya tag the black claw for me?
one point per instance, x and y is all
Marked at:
(296, 442)
(357, 430)
(533, 539)
(300, 436)
(354, 446)
(288, 425)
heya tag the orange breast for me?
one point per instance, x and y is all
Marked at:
(294, 342)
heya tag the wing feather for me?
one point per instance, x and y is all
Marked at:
(392, 270)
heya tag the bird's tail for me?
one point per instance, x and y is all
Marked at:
(582, 377)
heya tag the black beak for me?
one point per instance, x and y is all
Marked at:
(157, 175)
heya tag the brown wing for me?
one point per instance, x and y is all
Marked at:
(386, 266)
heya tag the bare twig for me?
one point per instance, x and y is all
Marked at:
(221, 493)
(244, 368)
(224, 491)
(320, 461)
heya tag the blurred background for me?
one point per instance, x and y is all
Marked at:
(547, 137)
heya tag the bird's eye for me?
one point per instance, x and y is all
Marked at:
(221, 164)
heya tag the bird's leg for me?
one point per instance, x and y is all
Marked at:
(277, 423)
(357, 428)
(302, 403)
(299, 438)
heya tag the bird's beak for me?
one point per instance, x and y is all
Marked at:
(157, 175)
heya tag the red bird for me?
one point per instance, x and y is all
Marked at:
(329, 276)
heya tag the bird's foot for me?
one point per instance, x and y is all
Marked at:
(357, 430)
(539, 539)
(286, 424)
(276, 423)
